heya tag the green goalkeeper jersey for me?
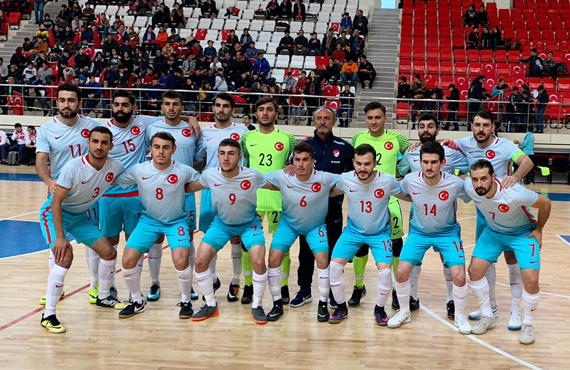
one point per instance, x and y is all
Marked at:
(267, 153)
(387, 147)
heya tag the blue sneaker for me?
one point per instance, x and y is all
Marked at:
(339, 314)
(154, 293)
(193, 295)
(380, 316)
(303, 297)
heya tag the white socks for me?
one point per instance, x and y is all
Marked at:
(384, 286)
(516, 286)
(185, 283)
(154, 262)
(259, 283)
(274, 278)
(530, 304)
(236, 262)
(460, 299)
(51, 259)
(480, 290)
(213, 268)
(403, 291)
(337, 281)
(133, 282)
(92, 259)
(206, 284)
(54, 288)
(491, 276)
(414, 278)
(448, 283)
(324, 284)
(106, 277)
(113, 282)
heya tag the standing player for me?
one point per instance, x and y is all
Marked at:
(234, 197)
(388, 144)
(59, 141)
(81, 183)
(162, 183)
(510, 225)
(207, 147)
(305, 198)
(455, 160)
(368, 192)
(172, 106)
(267, 149)
(434, 195)
(502, 153)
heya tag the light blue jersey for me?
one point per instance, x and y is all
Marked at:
(305, 204)
(507, 212)
(185, 137)
(210, 139)
(454, 160)
(63, 143)
(368, 203)
(501, 153)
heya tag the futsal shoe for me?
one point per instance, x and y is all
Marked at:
(414, 304)
(476, 315)
(114, 292)
(380, 316)
(186, 310)
(276, 312)
(303, 297)
(463, 325)
(259, 316)
(247, 294)
(285, 294)
(339, 314)
(206, 312)
(357, 295)
(93, 294)
(110, 302)
(44, 298)
(193, 295)
(401, 317)
(323, 312)
(451, 310)
(52, 324)
(527, 334)
(132, 309)
(217, 285)
(484, 324)
(515, 322)
(233, 293)
(395, 303)
(153, 293)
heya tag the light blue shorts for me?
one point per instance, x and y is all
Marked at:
(190, 208)
(285, 236)
(350, 242)
(207, 213)
(93, 214)
(77, 224)
(119, 214)
(481, 224)
(491, 244)
(148, 230)
(219, 234)
(448, 244)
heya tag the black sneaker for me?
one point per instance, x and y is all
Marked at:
(276, 312)
(303, 297)
(114, 292)
(395, 303)
(380, 316)
(357, 295)
(285, 294)
(259, 315)
(414, 304)
(109, 302)
(206, 312)
(339, 314)
(332, 301)
(323, 312)
(153, 293)
(217, 285)
(247, 295)
(451, 310)
(186, 310)
(233, 293)
(193, 295)
(131, 310)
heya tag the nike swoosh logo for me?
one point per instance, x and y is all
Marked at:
(59, 285)
(415, 193)
(416, 160)
(181, 240)
(290, 187)
(84, 182)
(384, 294)
(217, 184)
(58, 137)
(146, 178)
(256, 234)
(209, 139)
(353, 191)
(252, 144)
(322, 241)
(388, 256)
(533, 262)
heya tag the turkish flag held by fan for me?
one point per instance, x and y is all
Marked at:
(96, 39)
(77, 37)
(51, 41)
(98, 22)
(18, 104)
(71, 62)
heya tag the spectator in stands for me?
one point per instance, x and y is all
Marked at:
(356, 44)
(210, 51)
(221, 83)
(296, 104)
(161, 15)
(177, 18)
(497, 37)
(272, 10)
(29, 74)
(328, 45)
(299, 11)
(343, 39)
(174, 36)
(527, 147)
(541, 103)
(251, 52)
(22, 138)
(419, 90)
(289, 82)
(232, 40)
(302, 81)
(245, 38)
(314, 89)
(550, 66)
(286, 9)
(103, 26)
(286, 43)
(247, 122)
(76, 24)
(4, 147)
(313, 45)
(535, 66)
(160, 62)
(473, 41)
(349, 72)
(524, 110)
(300, 43)
(511, 108)
(346, 23)
(486, 42)
(93, 95)
(209, 7)
(404, 89)
(153, 97)
(39, 10)
(471, 18)
(475, 96)
(452, 108)
(434, 106)
(3, 69)
(42, 31)
(360, 23)
(63, 16)
(339, 55)
(366, 72)
(48, 22)
(82, 62)
(482, 17)
(261, 66)
(332, 72)
(346, 106)
(216, 64)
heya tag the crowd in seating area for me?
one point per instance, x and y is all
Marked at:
(300, 49)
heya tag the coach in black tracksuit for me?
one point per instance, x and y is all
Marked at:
(334, 155)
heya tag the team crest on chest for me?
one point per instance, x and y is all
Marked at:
(316, 187)
(279, 146)
(85, 133)
(245, 184)
(388, 145)
(504, 208)
(135, 130)
(336, 153)
(110, 177)
(443, 195)
(172, 179)
(490, 154)
(186, 132)
(234, 136)
(379, 193)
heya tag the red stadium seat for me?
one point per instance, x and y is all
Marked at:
(489, 69)
(446, 68)
(487, 56)
(473, 56)
(419, 67)
(14, 20)
(461, 83)
(225, 34)
(406, 66)
(474, 69)
(490, 82)
(446, 81)
(201, 34)
(517, 70)
(514, 56)
(503, 69)
(564, 84)
(402, 110)
(554, 97)
(534, 83)
(518, 82)
(460, 68)
(549, 84)
(459, 56)
(431, 81)
(500, 56)
(433, 67)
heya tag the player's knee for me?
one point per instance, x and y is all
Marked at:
(201, 264)
(475, 273)
(180, 261)
(402, 276)
(109, 253)
(397, 245)
(274, 260)
(322, 260)
(458, 278)
(530, 282)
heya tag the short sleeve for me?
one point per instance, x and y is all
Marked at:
(190, 174)
(468, 187)
(393, 184)
(331, 179)
(274, 177)
(205, 178)
(404, 165)
(404, 185)
(292, 141)
(460, 189)
(42, 144)
(403, 142)
(259, 179)
(460, 162)
(127, 178)
(200, 152)
(65, 179)
(512, 152)
(525, 196)
(147, 120)
(341, 183)
(462, 143)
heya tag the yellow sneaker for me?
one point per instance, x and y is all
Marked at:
(93, 294)
(43, 299)
(52, 324)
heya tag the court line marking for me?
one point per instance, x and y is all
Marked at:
(541, 292)
(41, 308)
(561, 238)
(18, 216)
(21, 255)
(479, 341)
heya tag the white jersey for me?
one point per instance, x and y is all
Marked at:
(435, 207)
(86, 184)
(235, 199)
(454, 160)
(22, 137)
(63, 143)
(210, 139)
(501, 153)
(507, 212)
(3, 138)
(305, 204)
(129, 146)
(368, 203)
(184, 136)
(162, 192)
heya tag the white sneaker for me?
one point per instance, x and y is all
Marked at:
(401, 317)
(527, 334)
(484, 324)
(476, 315)
(515, 322)
(462, 324)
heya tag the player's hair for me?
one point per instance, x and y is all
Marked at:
(265, 100)
(331, 111)
(31, 127)
(17, 125)
(124, 94)
(429, 117)
(483, 163)
(102, 130)
(375, 105)
(485, 114)
(230, 142)
(163, 136)
(364, 149)
(69, 87)
(173, 95)
(226, 97)
(432, 147)
(304, 147)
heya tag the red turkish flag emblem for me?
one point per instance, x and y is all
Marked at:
(388, 145)
(135, 130)
(172, 179)
(443, 195)
(186, 132)
(316, 187)
(235, 136)
(279, 146)
(379, 193)
(503, 208)
(85, 133)
(110, 177)
(245, 184)
(490, 154)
